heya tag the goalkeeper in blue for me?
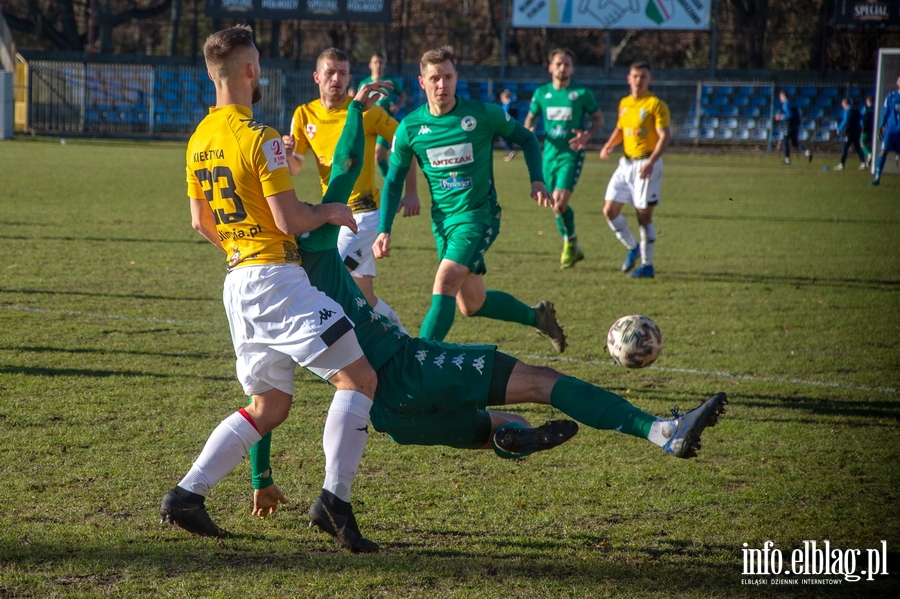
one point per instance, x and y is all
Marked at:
(890, 130)
(435, 393)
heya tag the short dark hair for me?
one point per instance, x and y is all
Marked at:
(437, 56)
(847, 101)
(640, 64)
(565, 51)
(334, 54)
(221, 46)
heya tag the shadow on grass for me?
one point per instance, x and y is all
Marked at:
(117, 295)
(779, 219)
(729, 277)
(100, 374)
(670, 566)
(873, 410)
(117, 352)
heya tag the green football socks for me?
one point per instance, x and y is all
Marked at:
(439, 318)
(565, 224)
(599, 408)
(502, 306)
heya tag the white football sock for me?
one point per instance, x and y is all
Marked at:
(619, 225)
(344, 440)
(224, 450)
(648, 241)
(382, 308)
(661, 431)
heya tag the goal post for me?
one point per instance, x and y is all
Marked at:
(885, 82)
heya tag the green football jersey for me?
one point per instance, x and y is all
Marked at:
(563, 110)
(455, 152)
(392, 97)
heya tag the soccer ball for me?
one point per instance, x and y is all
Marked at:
(634, 341)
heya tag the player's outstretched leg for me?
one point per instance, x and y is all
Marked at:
(334, 516)
(514, 438)
(680, 435)
(548, 326)
(186, 510)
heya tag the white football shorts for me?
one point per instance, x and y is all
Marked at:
(277, 318)
(627, 187)
(356, 248)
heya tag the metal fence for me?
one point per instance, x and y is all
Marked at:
(140, 100)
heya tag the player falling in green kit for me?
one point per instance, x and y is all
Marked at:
(392, 102)
(452, 140)
(564, 106)
(434, 393)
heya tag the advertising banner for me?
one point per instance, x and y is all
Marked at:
(612, 14)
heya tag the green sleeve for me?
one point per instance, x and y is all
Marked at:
(259, 461)
(532, 150)
(401, 158)
(590, 102)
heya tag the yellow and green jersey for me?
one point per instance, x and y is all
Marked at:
(235, 162)
(319, 128)
(638, 119)
(563, 110)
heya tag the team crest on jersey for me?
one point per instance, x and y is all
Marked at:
(557, 131)
(573, 95)
(310, 130)
(548, 95)
(468, 123)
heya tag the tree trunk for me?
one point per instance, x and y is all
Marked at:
(174, 22)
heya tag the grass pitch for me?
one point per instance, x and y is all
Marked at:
(776, 284)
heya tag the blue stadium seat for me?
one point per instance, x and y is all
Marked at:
(803, 101)
(91, 116)
(711, 111)
(170, 97)
(816, 113)
(809, 91)
(708, 134)
(693, 121)
(707, 90)
(824, 101)
(746, 90)
(829, 91)
(724, 134)
(690, 133)
(854, 92)
(804, 135)
(710, 122)
(836, 113)
(809, 124)
(721, 100)
(692, 110)
(729, 123)
(830, 124)
(760, 101)
(742, 134)
(730, 111)
(746, 123)
(790, 90)
(724, 90)
(752, 111)
(741, 101)
(822, 135)
(463, 93)
(759, 135)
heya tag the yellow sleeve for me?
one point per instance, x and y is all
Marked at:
(377, 121)
(194, 189)
(298, 131)
(663, 117)
(271, 163)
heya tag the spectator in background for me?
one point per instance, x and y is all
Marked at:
(392, 103)
(509, 108)
(850, 128)
(868, 125)
(890, 130)
(789, 116)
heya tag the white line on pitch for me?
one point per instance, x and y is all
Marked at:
(720, 374)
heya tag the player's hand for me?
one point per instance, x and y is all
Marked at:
(338, 214)
(265, 501)
(540, 195)
(370, 93)
(581, 138)
(604, 153)
(778, 117)
(410, 205)
(289, 143)
(646, 170)
(382, 246)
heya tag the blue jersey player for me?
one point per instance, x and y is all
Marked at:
(890, 130)
(789, 116)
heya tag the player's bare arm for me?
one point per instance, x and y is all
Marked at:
(265, 501)
(204, 222)
(293, 217)
(662, 144)
(582, 137)
(540, 195)
(615, 139)
(409, 203)
(294, 162)
(530, 121)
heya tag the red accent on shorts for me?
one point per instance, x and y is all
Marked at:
(244, 413)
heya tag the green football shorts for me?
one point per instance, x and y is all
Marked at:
(562, 171)
(435, 393)
(465, 243)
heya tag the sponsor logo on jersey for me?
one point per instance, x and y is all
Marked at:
(310, 130)
(468, 123)
(573, 95)
(557, 131)
(275, 156)
(450, 156)
(424, 129)
(478, 364)
(643, 113)
(458, 360)
(454, 182)
(548, 95)
(559, 113)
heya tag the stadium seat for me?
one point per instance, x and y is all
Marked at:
(741, 101)
(829, 91)
(711, 122)
(724, 90)
(746, 91)
(691, 121)
(822, 135)
(790, 90)
(729, 123)
(692, 110)
(836, 113)
(759, 135)
(803, 101)
(854, 92)
(463, 93)
(707, 90)
(742, 134)
(746, 123)
(816, 113)
(689, 132)
(761, 101)
(704, 101)
(730, 111)
(711, 111)
(824, 101)
(724, 134)
(830, 124)
(752, 111)
(721, 101)
(804, 135)
(708, 134)
(809, 124)
(809, 91)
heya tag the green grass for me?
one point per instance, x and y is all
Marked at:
(776, 284)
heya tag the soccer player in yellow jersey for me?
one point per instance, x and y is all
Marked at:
(243, 202)
(643, 129)
(317, 126)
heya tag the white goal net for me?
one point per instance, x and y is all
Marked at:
(886, 82)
